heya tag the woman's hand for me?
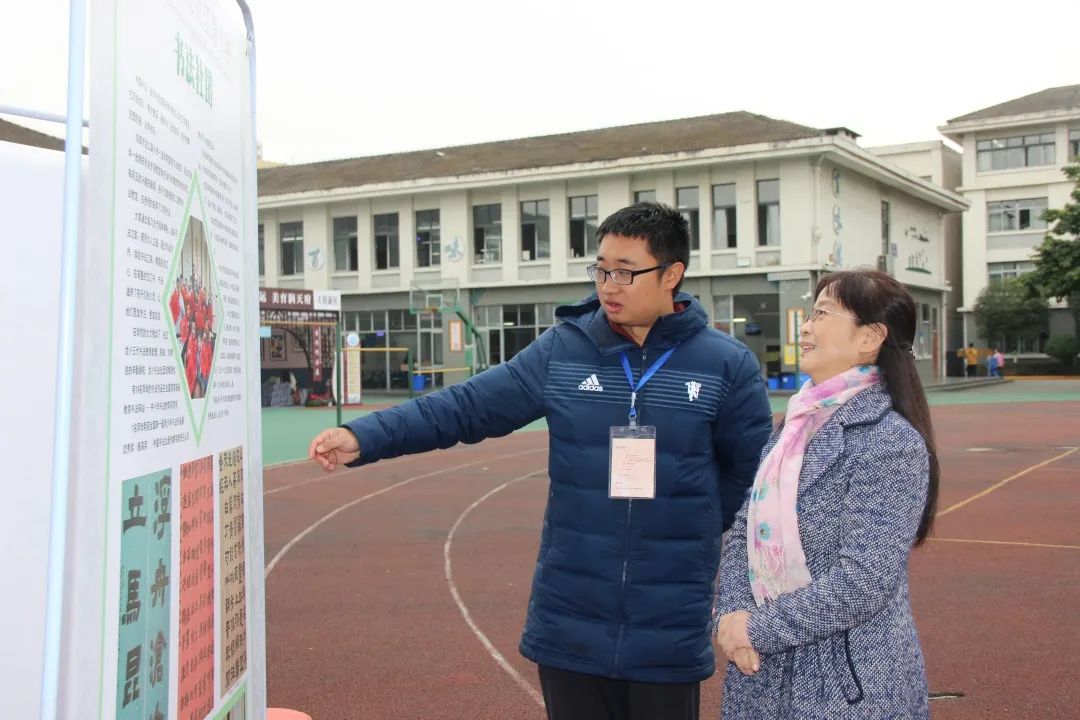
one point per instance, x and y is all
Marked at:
(735, 642)
(747, 660)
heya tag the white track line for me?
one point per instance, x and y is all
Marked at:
(1007, 542)
(320, 478)
(308, 530)
(495, 654)
(333, 476)
(1006, 481)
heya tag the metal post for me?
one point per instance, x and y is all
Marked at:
(798, 349)
(65, 364)
(337, 361)
(408, 364)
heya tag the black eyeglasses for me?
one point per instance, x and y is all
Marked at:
(620, 276)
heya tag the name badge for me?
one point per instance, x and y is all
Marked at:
(632, 463)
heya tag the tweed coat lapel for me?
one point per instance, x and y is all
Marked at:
(827, 445)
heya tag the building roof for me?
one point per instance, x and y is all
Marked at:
(10, 132)
(1066, 97)
(20, 135)
(656, 138)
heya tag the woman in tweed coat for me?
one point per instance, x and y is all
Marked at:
(825, 632)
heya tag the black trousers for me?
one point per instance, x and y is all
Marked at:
(576, 696)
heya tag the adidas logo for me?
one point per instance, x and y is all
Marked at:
(591, 384)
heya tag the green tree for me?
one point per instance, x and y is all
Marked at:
(1063, 348)
(1057, 259)
(1010, 312)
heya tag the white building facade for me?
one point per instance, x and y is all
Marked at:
(936, 162)
(1012, 160)
(505, 231)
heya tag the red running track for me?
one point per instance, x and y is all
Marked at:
(363, 622)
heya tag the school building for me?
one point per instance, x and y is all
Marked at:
(505, 230)
(1012, 159)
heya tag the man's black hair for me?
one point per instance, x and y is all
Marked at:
(663, 228)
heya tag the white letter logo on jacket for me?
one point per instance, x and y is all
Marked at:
(591, 384)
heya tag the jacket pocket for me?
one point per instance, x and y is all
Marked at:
(546, 536)
(710, 553)
(842, 675)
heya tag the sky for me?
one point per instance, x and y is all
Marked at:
(347, 79)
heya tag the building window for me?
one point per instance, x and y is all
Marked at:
(923, 331)
(510, 328)
(1074, 144)
(487, 233)
(885, 222)
(584, 211)
(535, 230)
(768, 212)
(291, 236)
(1013, 215)
(688, 204)
(1020, 346)
(262, 251)
(386, 241)
(641, 196)
(723, 201)
(345, 259)
(427, 238)
(1001, 271)
(1015, 152)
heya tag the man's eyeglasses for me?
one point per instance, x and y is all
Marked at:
(814, 314)
(620, 276)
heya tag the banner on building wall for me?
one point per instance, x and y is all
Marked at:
(353, 375)
(168, 307)
(457, 336)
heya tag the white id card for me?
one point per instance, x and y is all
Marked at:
(632, 463)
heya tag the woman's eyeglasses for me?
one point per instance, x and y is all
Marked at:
(813, 314)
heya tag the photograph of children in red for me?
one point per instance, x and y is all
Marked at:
(191, 305)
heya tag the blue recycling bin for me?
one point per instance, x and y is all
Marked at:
(787, 381)
(418, 382)
(773, 383)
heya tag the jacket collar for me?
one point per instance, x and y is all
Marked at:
(669, 330)
(866, 407)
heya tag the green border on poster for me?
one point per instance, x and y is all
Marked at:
(108, 372)
(239, 694)
(195, 189)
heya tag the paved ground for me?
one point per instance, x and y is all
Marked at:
(398, 590)
(287, 431)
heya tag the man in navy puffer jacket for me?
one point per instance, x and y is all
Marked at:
(619, 616)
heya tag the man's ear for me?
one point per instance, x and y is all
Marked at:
(673, 276)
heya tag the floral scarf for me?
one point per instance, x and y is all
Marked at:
(777, 562)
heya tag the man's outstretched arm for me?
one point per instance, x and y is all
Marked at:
(496, 402)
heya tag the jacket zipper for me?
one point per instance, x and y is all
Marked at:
(625, 563)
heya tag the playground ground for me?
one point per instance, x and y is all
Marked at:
(398, 590)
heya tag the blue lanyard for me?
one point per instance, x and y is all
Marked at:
(646, 377)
